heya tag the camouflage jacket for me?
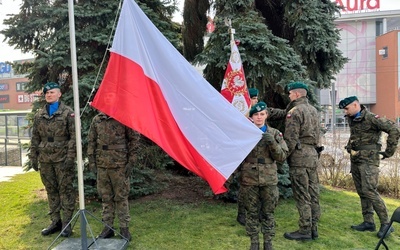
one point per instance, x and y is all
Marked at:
(366, 130)
(302, 132)
(53, 137)
(261, 174)
(110, 143)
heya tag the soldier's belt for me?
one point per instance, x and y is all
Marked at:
(112, 147)
(367, 147)
(259, 160)
(55, 138)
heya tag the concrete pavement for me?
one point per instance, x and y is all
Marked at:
(7, 172)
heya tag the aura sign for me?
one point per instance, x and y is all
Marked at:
(359, 5)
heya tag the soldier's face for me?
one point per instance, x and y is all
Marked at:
(352, 109)
(52, 95)
(259, 118)
(293, 95)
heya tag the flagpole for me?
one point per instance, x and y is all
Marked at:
(77, 121)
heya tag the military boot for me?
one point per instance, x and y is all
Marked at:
(314, 232)
(255, 246)
(268, 245)
(382, 230)
(365, 226)
(255, 243)
(241, 218)
(125, 233)
(67, 231)
(297, 235)
(106, 233)
(55, 226)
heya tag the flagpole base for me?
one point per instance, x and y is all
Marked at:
(98, 244)
(92, 243)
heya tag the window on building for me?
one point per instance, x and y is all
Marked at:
(379, 27)
(21, 86)
(393, 23)
(384, 52)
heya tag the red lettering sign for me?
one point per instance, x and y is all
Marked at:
(357, 5)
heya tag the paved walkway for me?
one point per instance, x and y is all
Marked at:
(6, 172)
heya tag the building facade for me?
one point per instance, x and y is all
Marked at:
(366, 27)
(12, 90)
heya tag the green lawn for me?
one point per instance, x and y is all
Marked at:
(170, 224)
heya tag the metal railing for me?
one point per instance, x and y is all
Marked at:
(13, 135)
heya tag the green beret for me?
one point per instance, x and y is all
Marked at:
(50, 85)
(296, 85)
(346, 101)
(253, 92)
(257, 108)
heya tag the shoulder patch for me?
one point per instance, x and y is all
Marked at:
(72, 114)
(288, 115)
(377, 116)
(280, 134)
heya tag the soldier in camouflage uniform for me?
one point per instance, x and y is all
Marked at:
(259, 179)
(112, 151)
(241, 216)
(302, 135)
(364, 146)
(53, 146)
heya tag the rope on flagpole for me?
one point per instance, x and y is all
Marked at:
(104, 57)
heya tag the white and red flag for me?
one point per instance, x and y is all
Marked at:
(234, 86)
(150, 87)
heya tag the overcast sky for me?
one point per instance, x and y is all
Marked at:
(12, 7)
(7, 53)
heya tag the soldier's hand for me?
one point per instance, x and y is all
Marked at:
(35, 165)
(384, 155)
(69, 162)
(128, 169)
(269, 138)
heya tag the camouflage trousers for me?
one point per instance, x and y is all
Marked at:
(266, 198)
(58, 181)
(241, 200)
(305, 186)
(113, 188)
(365, 177)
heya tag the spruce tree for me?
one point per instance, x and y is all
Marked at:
(42, 28)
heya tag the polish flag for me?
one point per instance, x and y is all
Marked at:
(234, 86)
(150, 87)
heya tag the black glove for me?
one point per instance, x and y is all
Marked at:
(69, 162)
(128, 169)
(319, 150)
(384, 155)
(35, 165)
(269, 138)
